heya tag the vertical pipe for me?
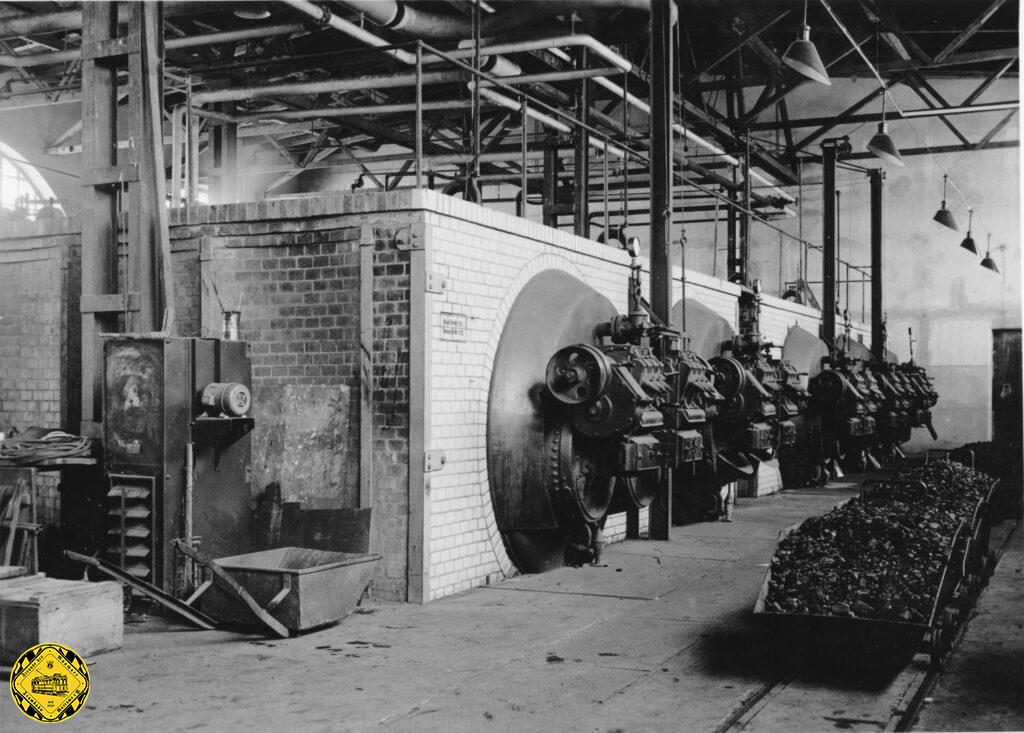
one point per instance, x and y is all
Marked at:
(604, 161)
(524, 149)
(660, 516)
(828, 241)
(581, 161)
(476, 90)
(367, 243)
(176, 125)
(550, 183)
(732, 255)
(876, 176)
(744, 244)
(419, 113)
(193, 158)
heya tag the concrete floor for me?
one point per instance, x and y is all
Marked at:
(660, 639)
(982, 686)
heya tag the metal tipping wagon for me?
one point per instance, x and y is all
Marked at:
(969, 564)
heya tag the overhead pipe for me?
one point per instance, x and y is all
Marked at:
(170, 44)
(547, 120)
(369, 81)
(409, 20)
(693, 137)
(551, 43)
(65, 20)
(356, 111)
(324, 16)
(377, 81)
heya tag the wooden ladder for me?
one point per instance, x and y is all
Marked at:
(21, 496)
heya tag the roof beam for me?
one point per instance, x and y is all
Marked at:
(934, 150)
(960, 59)
(969, 31)
(995, 76)
(899, 41)
(839, 119)
(917, 82)
(784, 89)
(995, 130)
(736, 47)
(932, 111)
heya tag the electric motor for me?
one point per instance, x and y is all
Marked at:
(226, 398)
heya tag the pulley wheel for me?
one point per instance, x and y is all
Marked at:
(730, 377)
(578, 374)
(828, 386)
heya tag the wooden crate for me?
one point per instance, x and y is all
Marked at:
(88, 617)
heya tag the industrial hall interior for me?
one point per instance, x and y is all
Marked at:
(614, 366)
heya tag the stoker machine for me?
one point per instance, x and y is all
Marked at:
(585, 414)
(176, 452)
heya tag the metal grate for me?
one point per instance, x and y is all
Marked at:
(131, 529)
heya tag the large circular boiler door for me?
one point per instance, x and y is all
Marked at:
(530, 473)
(706, 328)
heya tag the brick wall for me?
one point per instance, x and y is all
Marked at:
(292, 268)
(38, 328)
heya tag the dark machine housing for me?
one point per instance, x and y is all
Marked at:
(176, 451)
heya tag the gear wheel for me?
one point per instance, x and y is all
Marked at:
(580, 491)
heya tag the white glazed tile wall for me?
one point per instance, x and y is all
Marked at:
(487, 257)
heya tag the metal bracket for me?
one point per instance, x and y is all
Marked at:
(108, 302)
(434, 460)
(413, 236)
(436, 282)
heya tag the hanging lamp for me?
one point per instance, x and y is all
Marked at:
(988, 263)
(968, 242)
(803, 57)
(252, 11)
(881, 145)
(944, 216)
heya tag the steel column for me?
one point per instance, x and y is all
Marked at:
(876, 176)
(581, 161)
(660, 517)
(550, 191)
(99, 203)
(828, 241)
(225, 156)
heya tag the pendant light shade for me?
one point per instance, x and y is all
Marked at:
(944, 216)
(252, 11)
(968, 242)
(803, 57)
(988, 263)
(882, 146)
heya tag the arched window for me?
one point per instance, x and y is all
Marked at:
(24, 193)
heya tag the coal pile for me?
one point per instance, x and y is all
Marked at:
(880, 555)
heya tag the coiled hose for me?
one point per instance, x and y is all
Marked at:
(39, 445)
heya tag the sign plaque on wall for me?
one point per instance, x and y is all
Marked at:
(453, 327)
